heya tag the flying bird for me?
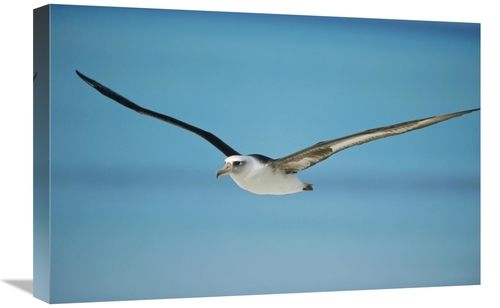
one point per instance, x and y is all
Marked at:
(262, 175)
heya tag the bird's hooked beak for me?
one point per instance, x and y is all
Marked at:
(228, 167)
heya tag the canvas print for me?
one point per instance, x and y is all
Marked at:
(188, 154)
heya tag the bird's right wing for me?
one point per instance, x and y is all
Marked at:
(214, 140)
(312, 155)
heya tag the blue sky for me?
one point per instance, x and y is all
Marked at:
(137, 211)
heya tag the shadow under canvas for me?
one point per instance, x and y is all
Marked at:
(25, 285)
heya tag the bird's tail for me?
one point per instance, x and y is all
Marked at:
(307, 187)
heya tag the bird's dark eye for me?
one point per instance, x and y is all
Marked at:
(237, 163)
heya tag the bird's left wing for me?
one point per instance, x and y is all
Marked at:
(314, 154)
(214, 140)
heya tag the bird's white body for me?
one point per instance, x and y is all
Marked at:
(260, 178)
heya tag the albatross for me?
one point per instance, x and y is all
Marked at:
(263, 175)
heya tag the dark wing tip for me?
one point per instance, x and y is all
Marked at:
(91, 82)
(106, 91)
(81, 75)
(468, 111)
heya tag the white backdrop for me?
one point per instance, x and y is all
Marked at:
(16, 153)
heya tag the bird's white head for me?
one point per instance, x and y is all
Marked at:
(234, 165)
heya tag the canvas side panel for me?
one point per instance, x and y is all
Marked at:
(41, 154)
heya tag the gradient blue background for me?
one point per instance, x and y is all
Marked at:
(136, 209)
